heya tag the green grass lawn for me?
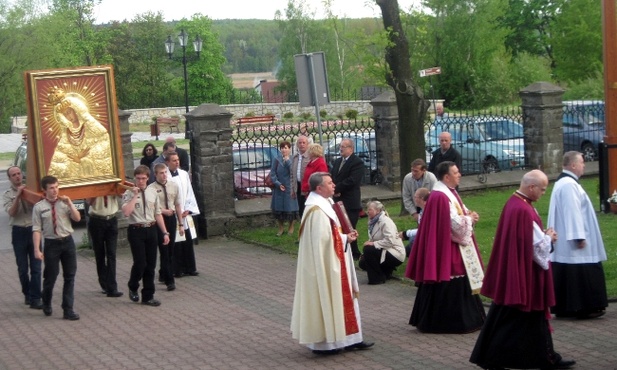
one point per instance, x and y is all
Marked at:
(489, 205)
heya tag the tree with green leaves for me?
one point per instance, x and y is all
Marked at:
(577, 41)
(206, 80)
(467, 43)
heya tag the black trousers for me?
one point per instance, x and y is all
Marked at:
(104, 234)
(354, 215)
(184, 255)
(143, 241)
(166, 252)
(377, 272)
(56, 252)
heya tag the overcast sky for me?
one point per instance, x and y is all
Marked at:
(120, 10)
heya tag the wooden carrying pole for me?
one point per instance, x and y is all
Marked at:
(609, 31)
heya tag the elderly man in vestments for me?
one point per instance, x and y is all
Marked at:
(580, 286)
(326, 315)
(516, 333)
(445, 264)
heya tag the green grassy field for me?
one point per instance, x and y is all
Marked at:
(489, 205)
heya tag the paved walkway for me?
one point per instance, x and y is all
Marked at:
(235, 315)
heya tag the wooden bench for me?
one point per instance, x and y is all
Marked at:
(257, 119)
(172, 122)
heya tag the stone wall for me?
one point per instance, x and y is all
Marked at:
(237, 110)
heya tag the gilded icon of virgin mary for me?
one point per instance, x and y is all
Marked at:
(83, 147)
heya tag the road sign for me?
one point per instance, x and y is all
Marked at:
(430, 71)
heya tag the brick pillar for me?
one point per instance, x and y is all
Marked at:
(385, 115)
(542, 121)
(129, 167)
(212, 168)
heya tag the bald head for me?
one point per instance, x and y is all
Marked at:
(534, 184)
(445, 140)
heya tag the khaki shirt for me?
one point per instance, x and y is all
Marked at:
(42, 219)
(173, 194)
(23, 217)
(151, 202)
(98, 207)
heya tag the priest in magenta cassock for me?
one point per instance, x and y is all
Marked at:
(518, 278)
(326, 315)
(445, 262)
(580, 285)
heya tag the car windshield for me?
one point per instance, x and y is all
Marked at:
(252, 158)
(502, 129)
(460, 132)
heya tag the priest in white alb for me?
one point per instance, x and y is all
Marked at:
(326, 315)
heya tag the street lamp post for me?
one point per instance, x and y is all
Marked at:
(183, 37)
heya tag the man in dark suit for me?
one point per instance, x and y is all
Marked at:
(182, 154)
(347, 173)
(445, 152)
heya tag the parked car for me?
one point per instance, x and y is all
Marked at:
(502, 150)
(21, 156)
(583, 127)
(365, 147)
(252, 163)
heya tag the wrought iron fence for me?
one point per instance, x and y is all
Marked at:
(255, 145)
(488, 140)
(583, 127)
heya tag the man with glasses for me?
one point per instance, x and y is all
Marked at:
(141, 206)
(347, 173)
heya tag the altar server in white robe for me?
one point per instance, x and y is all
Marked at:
(184, 253)
(580, 286)
(326, 315)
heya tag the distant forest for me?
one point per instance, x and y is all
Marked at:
(251, 45)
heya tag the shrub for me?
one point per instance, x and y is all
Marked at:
(351, 114)
(306, 116)
(288, 115)
(323, 113)
(250, 114)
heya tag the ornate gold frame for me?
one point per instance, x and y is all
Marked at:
(73, 130)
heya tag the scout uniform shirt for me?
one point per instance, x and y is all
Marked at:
(140, 214)
(169, 190)
(43, 219)
(23, 217)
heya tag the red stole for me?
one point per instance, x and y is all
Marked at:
(351, 323)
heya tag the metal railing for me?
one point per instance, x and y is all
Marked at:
(255, 146)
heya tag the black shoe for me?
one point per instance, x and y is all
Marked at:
(47, 310)
(326, 352)
(171, 287)
(115, 294)
(37, 304)
(193, 273)
(134, 296)
(161, 280)
(70, 315)
(179, 275)
(153, 302)
(27, 301)
(103, 291)
(360, 346)
(562, 364)
(590, 315)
